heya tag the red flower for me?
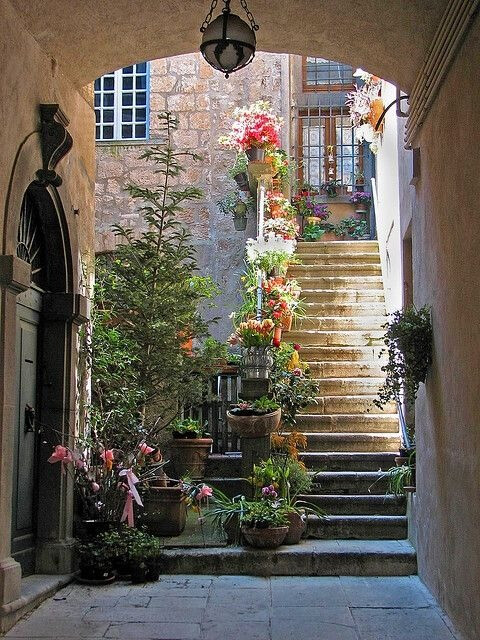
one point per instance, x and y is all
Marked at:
(297, 347)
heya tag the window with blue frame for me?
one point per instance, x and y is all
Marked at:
(121, 104)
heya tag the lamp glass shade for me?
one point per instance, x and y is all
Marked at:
(228, 43)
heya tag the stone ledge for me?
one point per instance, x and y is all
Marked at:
(34, 590)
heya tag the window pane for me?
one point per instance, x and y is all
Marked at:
(108, 99)
(127, 83)
(140, 131)
(127, 131)
(141, 82)
(97, 133)
(141, 98)
(141, 67)
(108, 132)
(97, 116)
(140, 114)
(127, 115)
(98, 98)
(127, 99)
(127, 70)
(97, 85)
(108, 84)
(108, 115)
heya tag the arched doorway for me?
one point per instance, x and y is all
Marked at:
(42, 244)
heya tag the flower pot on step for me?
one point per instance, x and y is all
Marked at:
(251, 426)
(297, 524)
(189, 456)
(329, 236)
(165, 511)
(269, 538)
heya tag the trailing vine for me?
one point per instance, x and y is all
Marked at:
(408, 339)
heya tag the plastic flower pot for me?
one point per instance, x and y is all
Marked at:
(165, 511)
(254, 426)
(255, 154)
(277, 336)
(240, 223)
(269, 538)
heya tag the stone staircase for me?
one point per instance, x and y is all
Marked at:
(349, 439)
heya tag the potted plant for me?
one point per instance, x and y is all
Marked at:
(278, 206)
(256, 128)
(254, 419)
(189, 448)
(264, 523)
(95, 560)
(225, 515)
(238, 171)
(329, 231)
(330, 188)
(233, 205)
(165, 510)
(352, 228)
(313, 232)
(286, 229)
(362, 201)
(255, 336)
(271, 254)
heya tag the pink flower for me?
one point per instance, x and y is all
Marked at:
(297, 347)
(61, 454)
(205, 492)
(145, 449)
(269, 492)
(95, 487)
(297, 372)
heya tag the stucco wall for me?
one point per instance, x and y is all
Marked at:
(203, 101)
(446, 241)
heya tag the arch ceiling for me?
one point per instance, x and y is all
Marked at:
(88, 38)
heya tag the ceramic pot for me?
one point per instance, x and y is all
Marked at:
(254, 426)
(189, 456)
(139, 573)
(256, 362)
(296, 527)
(277, 336)
(269, 538)
(255, 154)
(165, 512)
(312, 220)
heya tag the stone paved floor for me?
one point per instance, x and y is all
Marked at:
(242, 608)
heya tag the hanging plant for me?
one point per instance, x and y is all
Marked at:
(409, 346)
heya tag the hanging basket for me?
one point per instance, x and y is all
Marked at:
(242, 181)
(254, 426)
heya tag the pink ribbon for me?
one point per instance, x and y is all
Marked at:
(132, 494)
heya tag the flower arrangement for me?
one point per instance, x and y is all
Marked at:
(255, 126)
(256, 248)
(286, 229)
(307, 206)
(253, 333)
(280, 298)
(278, 206)
(361, 197)
(365, 103)
(280, 162)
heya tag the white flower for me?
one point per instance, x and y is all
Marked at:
(365, 132)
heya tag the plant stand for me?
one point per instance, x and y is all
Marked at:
(253, 450)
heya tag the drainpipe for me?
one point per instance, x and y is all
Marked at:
(260, 223)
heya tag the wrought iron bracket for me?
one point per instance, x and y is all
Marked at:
(384, 112)
(55, 141)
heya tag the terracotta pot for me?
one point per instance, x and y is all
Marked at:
(189, 456)
(277, 336)
(329, 236)
(270, 538)
(376, 110)
(254, 154)
(165, 511)
(287, 322)
(254, 426)
(296, 527)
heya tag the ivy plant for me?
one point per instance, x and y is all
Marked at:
(408, 339)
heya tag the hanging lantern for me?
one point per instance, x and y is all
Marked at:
(228, 43)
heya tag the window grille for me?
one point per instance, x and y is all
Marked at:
(121, 104)
(326, 148)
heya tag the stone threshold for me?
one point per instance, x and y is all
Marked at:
(34, 590)
(309, 558)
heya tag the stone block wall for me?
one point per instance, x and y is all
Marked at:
(203, 100)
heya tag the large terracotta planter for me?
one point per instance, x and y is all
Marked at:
(165, 511)
(296, 528)
(270, 538)
(189, 456)
(254, 426)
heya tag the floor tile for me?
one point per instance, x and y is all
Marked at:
(245, 630)
(383, 592)
(400, 624)
(155, 631)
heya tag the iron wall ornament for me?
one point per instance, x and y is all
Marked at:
(55, 140)
(228, 43)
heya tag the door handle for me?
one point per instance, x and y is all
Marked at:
(29, 423)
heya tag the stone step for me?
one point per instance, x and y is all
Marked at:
(342, 246)
(353, 442)
(363, 257)
(312, 351)
(348, 404)
(319, 270)
(355, 283)
(344, 369)
(309, 558)
(224, 466)
(349, 483)
(339, 323)
(340, 527)
(311, 339)
(229, 486)
(376, 423)
(363, 505)
(350, 386)
(342, 296)
(350, 309)
(342, 461)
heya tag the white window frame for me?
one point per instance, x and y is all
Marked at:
(118, 92)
